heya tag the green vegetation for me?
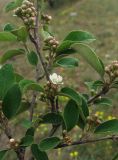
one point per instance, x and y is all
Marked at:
(80, 17)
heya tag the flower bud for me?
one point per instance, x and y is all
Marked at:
(12, 140)
(29, 10)
(26, 21)
(26, 2)
(54, 46)
(57, 42)
(49, 18)
(18, 11)
(24, 6)
(51, 41)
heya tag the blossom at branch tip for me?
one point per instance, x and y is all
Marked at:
(56, 79)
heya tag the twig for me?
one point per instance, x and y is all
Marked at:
(113, 137)
(104, 90)
(7, 130)
(36, 41)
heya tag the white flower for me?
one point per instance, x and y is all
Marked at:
(56, 79)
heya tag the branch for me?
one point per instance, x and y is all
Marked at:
(7, 130)
(113, 137)
(104, 90)
(36, 41)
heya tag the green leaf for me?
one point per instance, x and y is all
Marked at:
(90, 56)
(67, 62)
(32, 58)
(26, 123)
(21, 34)
(24, 106)
(114, 84)
(72, 94)
(81, 123)
(27, 141)
(10, 6)
(30, 131)
(37, 153)
(115, 157)
(7, 36)
(18, 2)
(24, 83)
(6, 79)
(103, 102)
(80, 36)
(75, 37)
(86, 52)
(62, 48)
(12, 101)
(2, 154)
(66, 52)
(71, 115)
(18, 77)
(53, 118)
(98, 83)
(66, 91)
(45, 34)
(110, 126)
(9, 27)
(30, 85)
(85, 107)
(49, 143)
(85, 110)
(10, 54)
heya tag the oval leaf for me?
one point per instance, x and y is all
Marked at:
(75, 96)
(90, 56)
(71, 115)
(108, 126)
(24, 106)
(7, 36)
(2, 154)
(37, 153)
(10, 54)
(80, 36)
(8, 27)
(49, 143)
(12, 101)
(75, 37)
(53, 118)
(10, 6)
(6, 79)
(103, 102)
(32, 58)
(67, 62)
(21, 33)
(27, 141)
(30, 85)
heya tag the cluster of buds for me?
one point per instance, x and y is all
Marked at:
(66, 138)
(46, 18)
(50, 91)
(112, 70)
(94, 121)
(51, 87)
(51, 44)
(27, 13)
(43, 97)
(13, 143)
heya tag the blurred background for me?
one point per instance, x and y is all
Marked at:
(99, 17)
